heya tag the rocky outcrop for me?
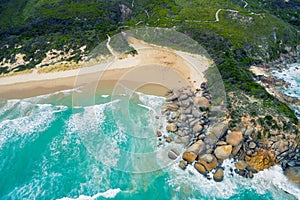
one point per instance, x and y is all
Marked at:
(223, 152)
(189, 156)
(216, 132)
(158, 133)
(183, 164)
(169, 139)
(173, 154)
(201, 102)
(234, 138)
(209, 161)
(236, 150)
(193, 151)
(241, 165)
(209, 144)
(183, 140)
(200, 168)
(219, 175)
(252, 145)
(171, 127)
(197, 128)
(263, 160)
(198, 147)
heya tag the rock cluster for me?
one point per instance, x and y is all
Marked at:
(287, 153)
(187, 112)
(208, 144)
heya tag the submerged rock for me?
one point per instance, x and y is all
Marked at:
(173, 154)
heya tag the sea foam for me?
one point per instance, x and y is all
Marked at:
(111, 193)
(291, 75)
(193, 184)
(23, 120)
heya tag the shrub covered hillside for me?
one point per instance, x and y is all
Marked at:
(236, 34)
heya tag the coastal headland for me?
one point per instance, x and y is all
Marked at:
(191, 112)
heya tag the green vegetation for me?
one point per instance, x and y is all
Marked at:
(60, 25)
(255, 33)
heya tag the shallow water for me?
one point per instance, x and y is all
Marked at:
(52, 150)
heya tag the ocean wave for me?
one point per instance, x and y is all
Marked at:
(94, 119)
(23, 121)
(270, 181)
(135, 120)
(291, 75)
(53, 94)
(118, 140)
(111, 193)
(8, 106)
(274, 180)
(98, 132)
(152, 101)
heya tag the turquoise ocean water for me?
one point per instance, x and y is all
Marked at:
(52, 150)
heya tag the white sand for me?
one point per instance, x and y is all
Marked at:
(189, 67)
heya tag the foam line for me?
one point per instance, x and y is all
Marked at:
(111, 193)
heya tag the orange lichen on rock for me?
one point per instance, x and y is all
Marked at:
(263, 160)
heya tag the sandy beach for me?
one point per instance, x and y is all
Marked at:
(152, 71)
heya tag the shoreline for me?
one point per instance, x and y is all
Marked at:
(152, 71)
(276, 86)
